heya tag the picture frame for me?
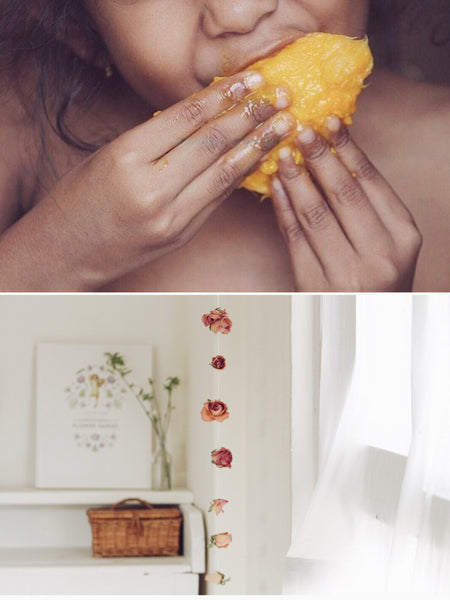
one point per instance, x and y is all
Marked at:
(91, 431)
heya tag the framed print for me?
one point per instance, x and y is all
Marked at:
(91, 431)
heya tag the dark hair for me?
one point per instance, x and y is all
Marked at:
(32, 35)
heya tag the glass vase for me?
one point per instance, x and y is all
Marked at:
(161, 467)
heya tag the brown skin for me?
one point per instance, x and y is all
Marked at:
(340, 217)
(147, 212)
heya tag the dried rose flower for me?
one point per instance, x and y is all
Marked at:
(218, 321)
(214, 410)
(218, 362)
(222, 458)
(220, 540)
(218, 578)
(217, 505)
(213, 316)
(222, 326)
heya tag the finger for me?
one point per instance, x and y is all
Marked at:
(193, 156)
(307, 269)
(387, 204)
(226, 174)
(344, 194)
(317, 220)
(169, 128)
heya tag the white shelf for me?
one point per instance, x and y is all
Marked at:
(56, 570)
(82, 557)
(66, 497)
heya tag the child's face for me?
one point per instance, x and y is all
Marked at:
(168, 49)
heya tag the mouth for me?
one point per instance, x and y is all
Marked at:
(268, 50)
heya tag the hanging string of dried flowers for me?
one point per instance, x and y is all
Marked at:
(218, 321)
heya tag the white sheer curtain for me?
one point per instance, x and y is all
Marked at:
(379, 517)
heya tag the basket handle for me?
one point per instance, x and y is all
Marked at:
(131, 500)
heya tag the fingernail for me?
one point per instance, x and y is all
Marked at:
(285, 153)
(253, 80)
(282, 98)
(277, 186)
(306, 135)
(333, 123)
(283, 125)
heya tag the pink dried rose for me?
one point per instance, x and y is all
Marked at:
(213, 316)
(222, 458)
(214, 410)
(217, 505)
(220, 540)
(218, 362)
(222, 326)
(218, 578)
(218, 321)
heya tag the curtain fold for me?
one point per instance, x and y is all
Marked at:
(379, 518)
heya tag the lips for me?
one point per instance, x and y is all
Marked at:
(267, 50)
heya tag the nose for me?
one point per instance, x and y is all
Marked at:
(235, 16)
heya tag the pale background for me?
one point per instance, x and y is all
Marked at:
(256, 385)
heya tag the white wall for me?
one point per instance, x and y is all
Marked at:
(27, 320)
(305, 401)
(268, 441)
(255, 385)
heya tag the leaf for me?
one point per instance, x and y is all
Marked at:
(82, 394)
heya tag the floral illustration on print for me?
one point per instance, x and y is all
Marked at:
(217, 505)
(220, 540)
(95, 392)
(222, 458)
(214, 410)
(217, 578)
(218, 321)
(95, 386)
(94, 441)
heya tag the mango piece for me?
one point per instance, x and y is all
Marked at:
(324, 73)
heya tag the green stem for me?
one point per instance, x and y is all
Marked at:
(156, 405)
(166, 463)
(144, 408)
(159, 424)
(168, 412)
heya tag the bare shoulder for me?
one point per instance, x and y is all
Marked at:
(17, 154)
(426, 178)
(410, 147)
(431, 123)
(434, 117)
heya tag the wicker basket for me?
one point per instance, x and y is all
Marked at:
(135, 530)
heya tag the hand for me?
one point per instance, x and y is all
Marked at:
(345, 228)
(148, 192)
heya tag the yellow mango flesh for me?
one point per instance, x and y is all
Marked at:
(324, 73)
